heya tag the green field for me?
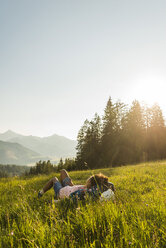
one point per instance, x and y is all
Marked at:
(137, 219)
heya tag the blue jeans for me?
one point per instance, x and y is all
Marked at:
(57, 186)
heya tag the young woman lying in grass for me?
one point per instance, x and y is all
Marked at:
(95, 186)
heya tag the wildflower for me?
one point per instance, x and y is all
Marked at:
(12, 233)
(130, 242)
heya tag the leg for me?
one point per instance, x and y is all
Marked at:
(54, 182)
(65, 178)
(50, 183)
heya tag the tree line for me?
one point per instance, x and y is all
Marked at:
(46, 167)
(123, 135)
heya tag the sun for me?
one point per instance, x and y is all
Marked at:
(149, 90)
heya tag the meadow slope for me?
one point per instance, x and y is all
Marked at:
(137, 219)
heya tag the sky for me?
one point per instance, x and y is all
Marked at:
(60, 61)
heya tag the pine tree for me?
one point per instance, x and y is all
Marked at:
(111, 132)
(156, 135)
(81, 153)
(88, 148)
(60, 164)
(134, 134)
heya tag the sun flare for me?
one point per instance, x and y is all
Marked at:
(149, 90)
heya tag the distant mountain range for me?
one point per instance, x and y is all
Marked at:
(13, 153)
(20, 149)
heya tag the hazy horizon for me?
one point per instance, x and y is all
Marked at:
(13, 131)
(60, 61)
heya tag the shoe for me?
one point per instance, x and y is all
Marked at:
(40, 194)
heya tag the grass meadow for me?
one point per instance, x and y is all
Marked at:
(136, 219)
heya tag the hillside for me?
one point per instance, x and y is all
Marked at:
(137, 219)
(53, 146)
(13, 153)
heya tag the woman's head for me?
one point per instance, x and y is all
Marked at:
(99, 180)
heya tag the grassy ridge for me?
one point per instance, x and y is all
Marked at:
(137, 219)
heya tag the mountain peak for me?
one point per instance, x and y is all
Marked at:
(9, 134)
